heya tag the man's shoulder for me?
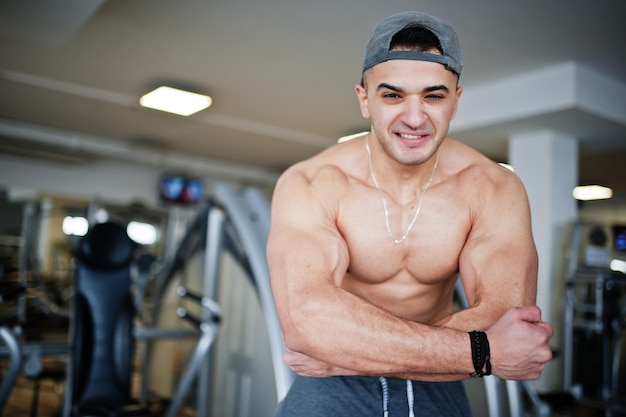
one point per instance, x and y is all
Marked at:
(310, 192)
(333, 166)
(473, 164)
(480, 178)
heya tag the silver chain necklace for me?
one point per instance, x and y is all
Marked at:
(382, 195)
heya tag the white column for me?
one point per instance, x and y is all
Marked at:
(547, 163)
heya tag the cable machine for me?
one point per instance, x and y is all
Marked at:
(235, 222)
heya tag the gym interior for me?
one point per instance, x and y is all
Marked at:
(106, 203)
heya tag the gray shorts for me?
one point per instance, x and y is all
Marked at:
(365, 396)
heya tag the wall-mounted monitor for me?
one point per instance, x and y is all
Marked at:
(180, 189)
(619, 237)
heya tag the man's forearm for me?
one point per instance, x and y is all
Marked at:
(472, 318)
(519, 343)
(307, 366)
(374, 343)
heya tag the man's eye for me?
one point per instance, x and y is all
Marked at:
(391, 95)
(435, 97)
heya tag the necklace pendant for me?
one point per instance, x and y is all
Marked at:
(384, 200)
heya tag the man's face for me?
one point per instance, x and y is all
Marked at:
(410, 105)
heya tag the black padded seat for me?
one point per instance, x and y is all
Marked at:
(103, 325)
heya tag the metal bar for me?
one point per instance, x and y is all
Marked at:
(44, 349)
(249, 215)
(213, 251)
(513, 391)
(14, 368)
(161, 333)
(199, 356)
(617, 355)
(542, 409)
(494, 397)
(568, 332)
(184, 314)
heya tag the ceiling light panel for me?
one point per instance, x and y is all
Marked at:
(173, 100)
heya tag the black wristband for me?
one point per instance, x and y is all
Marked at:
(480, 354)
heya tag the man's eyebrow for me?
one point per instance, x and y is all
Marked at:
(437, 88)
(385, 86)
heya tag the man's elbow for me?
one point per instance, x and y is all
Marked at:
(300, 334)
(292, 338)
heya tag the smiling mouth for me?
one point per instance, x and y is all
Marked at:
(410, 137)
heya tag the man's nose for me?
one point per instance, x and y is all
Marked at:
(413, 114)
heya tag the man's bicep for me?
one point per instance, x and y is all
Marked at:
(305, 252)
(303, 234)
(304, 220)
(301, 260)
(498, 264)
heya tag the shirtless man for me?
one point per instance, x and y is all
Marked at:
(369, 236)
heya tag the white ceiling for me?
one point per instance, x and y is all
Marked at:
(281, 72)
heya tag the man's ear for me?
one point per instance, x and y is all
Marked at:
(361, 94)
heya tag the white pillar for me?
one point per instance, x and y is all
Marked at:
(547, 163)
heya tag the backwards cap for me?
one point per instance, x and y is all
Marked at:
(377, 48)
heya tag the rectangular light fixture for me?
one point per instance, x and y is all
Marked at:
(592, 192)
(173, 100)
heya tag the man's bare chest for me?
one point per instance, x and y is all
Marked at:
(429, 253)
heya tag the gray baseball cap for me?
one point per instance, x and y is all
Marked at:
(377, 48)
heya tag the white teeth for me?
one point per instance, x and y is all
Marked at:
(405, 136)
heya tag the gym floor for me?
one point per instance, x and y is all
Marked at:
(46, 400)
(50, 399)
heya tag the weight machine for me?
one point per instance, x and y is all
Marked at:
(595, 322)
(234, 222)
